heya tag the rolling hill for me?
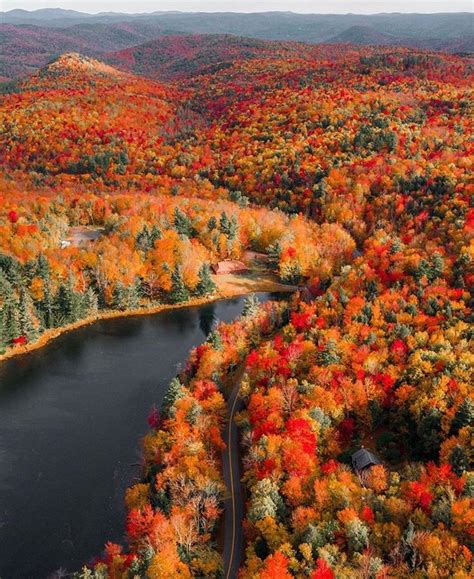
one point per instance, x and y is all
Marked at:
(28, 40)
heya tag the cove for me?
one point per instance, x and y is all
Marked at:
(71, 418)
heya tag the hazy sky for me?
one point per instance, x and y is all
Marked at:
(321, 7)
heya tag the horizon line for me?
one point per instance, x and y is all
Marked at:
(144, 12)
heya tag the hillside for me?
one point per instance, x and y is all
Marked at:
(25, 48)
(364, 35)
(31, 39)
(188, 56)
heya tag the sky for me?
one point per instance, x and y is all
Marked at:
(321, 6)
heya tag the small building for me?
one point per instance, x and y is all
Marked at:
(363, 459)
(229, 266)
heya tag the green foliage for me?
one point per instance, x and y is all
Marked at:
(179, 292)
(251, 305)
(205, 285)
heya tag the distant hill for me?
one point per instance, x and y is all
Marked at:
(364, 35)
(28, 40)
(25, 47)
(271, 25)
(178, 56)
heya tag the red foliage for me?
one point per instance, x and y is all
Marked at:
(322, 571)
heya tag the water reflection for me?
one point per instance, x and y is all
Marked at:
(207, 318)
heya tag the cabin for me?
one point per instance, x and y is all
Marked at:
(363, 459)
(229, 266)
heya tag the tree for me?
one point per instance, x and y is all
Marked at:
(68, 304)
(215, 340)
(179, 292)
(120, 297)
(205, 285)
(458, 460)
(464, 415)
(26, 316)
(251, 304)
(357, 535)
(9, 323)
(175, 391)
(182, 223)
(91, 302)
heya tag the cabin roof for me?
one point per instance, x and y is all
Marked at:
(363, 458)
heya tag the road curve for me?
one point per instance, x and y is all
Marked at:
(233, 505)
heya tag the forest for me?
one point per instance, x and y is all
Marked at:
(350, 169)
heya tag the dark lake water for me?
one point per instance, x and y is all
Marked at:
(71, 417)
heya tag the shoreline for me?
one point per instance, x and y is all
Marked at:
(230, 289)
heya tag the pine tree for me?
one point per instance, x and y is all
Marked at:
(458, 460)
(274, 253)
(9, 323)
(119, 297)
(179, 292)
(175, 391)
(464, 415)
(45, 306)
(212, 223)
(155, 234)
(251, 304)
(68, 304)
(133, 298)
(215, 340)
(42, 267)
(142, 239)
(182, 223)
(357, 535)
(205, 285)
(91, 302)
(26, 316)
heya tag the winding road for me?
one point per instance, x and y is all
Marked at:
(233, 506)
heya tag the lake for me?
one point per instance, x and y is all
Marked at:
(71, 418)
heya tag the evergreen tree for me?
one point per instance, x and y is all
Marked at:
(45, 306)
(179, 292)
(175, 391)
(26, 316)
(91, 302)
(42, 267)
(205, 284)
(155, 234)
(142, 239)
(458, 460)
(215, 340)
(251, 304)
(182, 223)
(9, 323)
(133, 298)
(274, 253)
(119, 297)
(357, 535)
(212, 223)
(68, 304)
(464, 415)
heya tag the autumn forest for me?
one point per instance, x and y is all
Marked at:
(339, 174)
